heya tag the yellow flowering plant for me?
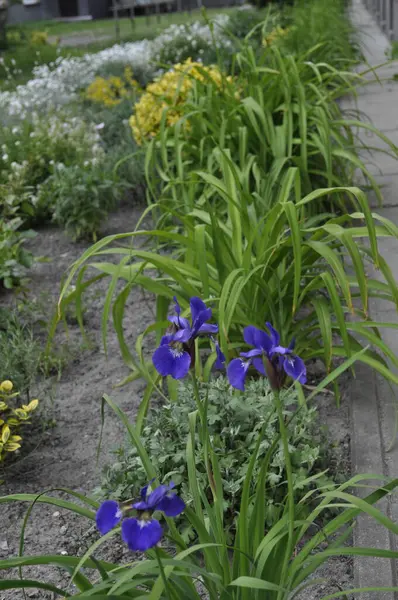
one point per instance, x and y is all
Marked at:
(39, 38)
(169, 92)
(112, 90)
(277, 34)
(12, 418)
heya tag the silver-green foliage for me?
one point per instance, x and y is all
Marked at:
(234, 422)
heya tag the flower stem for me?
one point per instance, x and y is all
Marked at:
(290, 490)
(163, 575)
(205, 436)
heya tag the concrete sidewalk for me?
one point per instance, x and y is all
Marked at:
(373, 402)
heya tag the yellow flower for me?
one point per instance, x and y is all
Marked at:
(6, 386)
(275, 35)
(39, 38)
(168, 94)
(110, 92)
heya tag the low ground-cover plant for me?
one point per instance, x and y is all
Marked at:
(13, 417)
(20, 351)
(234, 423)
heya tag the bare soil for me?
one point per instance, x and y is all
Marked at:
(67, 454)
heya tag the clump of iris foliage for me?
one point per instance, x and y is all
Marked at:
(269, 563)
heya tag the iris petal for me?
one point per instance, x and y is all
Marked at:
(263, 341)
(294, 367)
(170, 361)
(236, 371)
(280, 350)
(249, 335)
(259, 365)
(141, 505)
(172, 505)
(201, 318)
(141, 535)
(208, 328)
(197, 306)
(257, 338)
(182, 335)
(275, 337)
(251, 353)
(220, 360)
(177, 307)
(180, 322)
(156, 496)
(108, 516)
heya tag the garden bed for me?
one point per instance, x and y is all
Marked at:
(220, 303)
(66, 454)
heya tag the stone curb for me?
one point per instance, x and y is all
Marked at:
(373, 402)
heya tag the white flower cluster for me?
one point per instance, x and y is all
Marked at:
(59, 82)
(177, 39)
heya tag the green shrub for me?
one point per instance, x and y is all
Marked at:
(243, 21)
(234, 423)
(325, 24)
(32, 151)
(14, 258)
(82, 198)
(111, 122)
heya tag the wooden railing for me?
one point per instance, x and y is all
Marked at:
(386, 14)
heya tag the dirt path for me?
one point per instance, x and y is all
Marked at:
(67, 455)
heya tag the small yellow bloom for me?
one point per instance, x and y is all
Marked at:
(6, 386)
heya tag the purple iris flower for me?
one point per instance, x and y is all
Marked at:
(141, 532)
(176, 353)
(219, 363)
(266, 345)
